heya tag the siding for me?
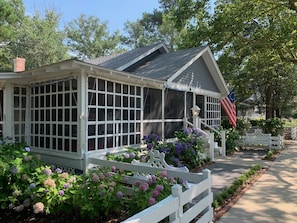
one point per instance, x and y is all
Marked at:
(197, 76)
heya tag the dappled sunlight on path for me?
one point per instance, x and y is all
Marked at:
(273, 198)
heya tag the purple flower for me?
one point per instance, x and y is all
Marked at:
(155, 193)
(101, 176)
(137, 183)
(159, 187)
(47, 171)
(66, 185)
(32, 185)
(175, 159)
(127, 156)
(58, 170)
(14, 170)
(152, 201)
(61, 192)
(187, 131)
(95, 177)
(145, 138)
(27, 149)
(144, 187)
(132, 155)
(113, 169)
(152, 179)
(149, 146)
(120, 194)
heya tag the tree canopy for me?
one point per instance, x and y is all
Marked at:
(256, 49)
(88, 38)
(11, 14)
(39, 41)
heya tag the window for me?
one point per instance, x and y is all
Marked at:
(117, 121)
(19, 112)
(54, 115)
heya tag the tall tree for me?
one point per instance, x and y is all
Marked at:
(88, 38)
(153, 28)
(253, 41)
(39, 41)
(11, 14)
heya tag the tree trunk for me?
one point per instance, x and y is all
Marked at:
(269, 110)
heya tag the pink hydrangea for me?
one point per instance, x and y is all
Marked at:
(38, 208)
(95, 177)
(155, 193)
(164, 173)
(47, 171)
(159, 187)
(144, 187)
(152, 201)
(50, 183)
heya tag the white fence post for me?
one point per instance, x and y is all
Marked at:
(223, 136)
(211, 146)
(293, 133)
(177, 191)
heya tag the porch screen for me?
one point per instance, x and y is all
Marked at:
(19, 112)
(54, 116)
(213, 112)
(113, 114)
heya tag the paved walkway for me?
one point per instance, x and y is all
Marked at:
(273, 198)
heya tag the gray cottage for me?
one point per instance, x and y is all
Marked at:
(73, 109)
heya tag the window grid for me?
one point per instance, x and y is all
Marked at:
(54, 116)
(213, 112)
(19, 112)
(113, 114)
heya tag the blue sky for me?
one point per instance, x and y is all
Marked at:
(114, 12)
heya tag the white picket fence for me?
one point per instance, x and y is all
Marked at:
(194, 204)
(259, 138)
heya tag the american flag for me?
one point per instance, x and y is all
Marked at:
(228, 104)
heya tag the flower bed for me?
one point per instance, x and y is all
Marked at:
(185, 150)
(28, 184)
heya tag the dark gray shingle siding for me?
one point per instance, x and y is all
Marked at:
(197, 76)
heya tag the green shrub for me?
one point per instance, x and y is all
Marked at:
(185, 151)
(27, 183)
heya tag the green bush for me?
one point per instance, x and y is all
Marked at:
(232, 135)
(27, 183)
(185, 151)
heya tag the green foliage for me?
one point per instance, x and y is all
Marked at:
(12, 13)
(274, 126)
(242, 125)
(38, 40)
(271, 153)
(88, 38)
(127, 156)
(231, 190)
(232, 135)
(27, 183)
(100, 192)
(147, 194)
(186, 151)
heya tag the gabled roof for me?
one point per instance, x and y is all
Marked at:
(130, 58)
(188, 69)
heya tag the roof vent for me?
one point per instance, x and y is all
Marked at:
(19, 64)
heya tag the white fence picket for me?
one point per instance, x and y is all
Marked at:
(197, 197)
